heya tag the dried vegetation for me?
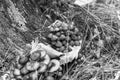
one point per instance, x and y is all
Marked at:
(98, 23)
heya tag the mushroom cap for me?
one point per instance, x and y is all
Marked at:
(18, 78)
(46, 59)
(23, 59)
(35, 55)
(16, 72)
(56, 65)
(43, 53)
(34, 75)
(13, 79)
(27, 77)
(42, 68)
(24, 71)
(50, 78)
(33, 65)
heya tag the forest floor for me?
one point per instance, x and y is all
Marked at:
(24, 22)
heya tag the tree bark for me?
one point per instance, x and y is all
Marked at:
(17, 25)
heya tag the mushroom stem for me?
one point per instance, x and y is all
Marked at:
(46, 59)
(56, 65)
(42, 68)
(43, 53)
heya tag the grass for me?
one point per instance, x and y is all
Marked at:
(107, 30)
(99, 24)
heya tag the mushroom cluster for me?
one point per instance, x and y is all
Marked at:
(31, 65)
(62, 36)
(64, 41)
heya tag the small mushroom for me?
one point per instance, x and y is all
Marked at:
(57, 23)
(50, 35)
(19, 78)
(58, 44)
(16, 72)
(51, 29)
(58, 34)
(50, 78)
(46, 59)
(24, 70)
(71, 27)
(31, 66)
(42, 68)
(77, 43)
(55, 65)
(27, 77)
(59, 74)
(62, 49)
(62, 37)
(19, 66)
(56, 29)
(35, 55)
(13, 79)
(72, 43)
(23, 60)
(54, 37)
(34, 75)
(43, 53)
(76, 30)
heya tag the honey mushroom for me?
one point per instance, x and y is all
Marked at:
(33, 75)
(46, 61)
(54, 64)
(18, 78)
(42, 68)
(71, 35)
(27, 77)
(50, 78)
(16, 72)
(32, 64)
(23, 60)
(40, 58)
(24, 71)
(67, 34)
(35, 55)
(13, 79)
